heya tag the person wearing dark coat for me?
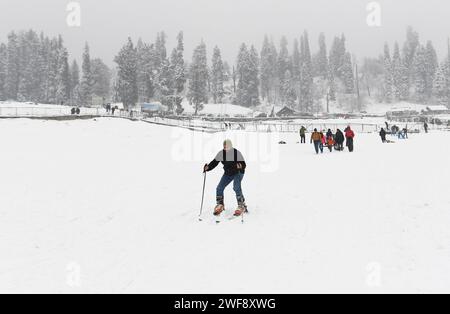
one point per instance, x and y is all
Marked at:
(234, 167)
(383, 135)
(303, 135)
(339, 138)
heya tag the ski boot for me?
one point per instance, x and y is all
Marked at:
(242, 208)
(220, 207)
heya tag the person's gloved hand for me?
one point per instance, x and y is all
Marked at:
(239, 166)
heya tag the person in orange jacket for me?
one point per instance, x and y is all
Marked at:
(330, 140)
(316, 138)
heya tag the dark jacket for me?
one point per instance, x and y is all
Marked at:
(339, 137)
(230, 161)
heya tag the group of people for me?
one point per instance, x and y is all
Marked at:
(396, 131)
(109, 108)
(322, 139)
(75, 111)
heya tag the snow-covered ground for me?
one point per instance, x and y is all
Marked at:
(111, 206)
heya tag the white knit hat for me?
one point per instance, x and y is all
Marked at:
(228, 143)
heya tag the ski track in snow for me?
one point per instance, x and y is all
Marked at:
(108, 196)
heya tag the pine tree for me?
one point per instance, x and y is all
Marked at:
(321, 59)
(178, 72)
(440, 88)
(348, 76)
(306, 75)
(243, 70)
(147, 71)
(198, 78)
(179, 66)
(266, 69)
(388, 75)
(397, 75)
(3, 71)
(283, 65)
(217, 76)
(35, 66)
(74, 82)
(337, 57)
(86, 80)
(274, 96)
(432, 65)
(289, 90)
(12, 67)
(101, 78)
(247, 94)
(52, 71)
(420, 74)
(296, 63)
(410, 47)
(141, 53)
(253, 83)
(331, 85)
(160, 48)
(446, 72)
(126, 85)
(165, 82)
(63, 78)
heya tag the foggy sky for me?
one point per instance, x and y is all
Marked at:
(106, 24)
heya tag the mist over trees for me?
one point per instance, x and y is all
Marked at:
(37, 68)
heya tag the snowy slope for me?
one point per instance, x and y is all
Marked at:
(111, 206)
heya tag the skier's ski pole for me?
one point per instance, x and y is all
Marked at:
(203, 197)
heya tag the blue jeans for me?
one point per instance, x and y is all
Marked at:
(318, 145)
(226, 180)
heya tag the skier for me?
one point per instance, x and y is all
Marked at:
(350, 135)
(339, 138)
(316, 138)
(303, 135)
(234, 167)
(383, 135)
(425, 126)
(113, 109)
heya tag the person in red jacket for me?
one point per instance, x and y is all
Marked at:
(350, 135)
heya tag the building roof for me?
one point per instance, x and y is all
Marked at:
(286, 111)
